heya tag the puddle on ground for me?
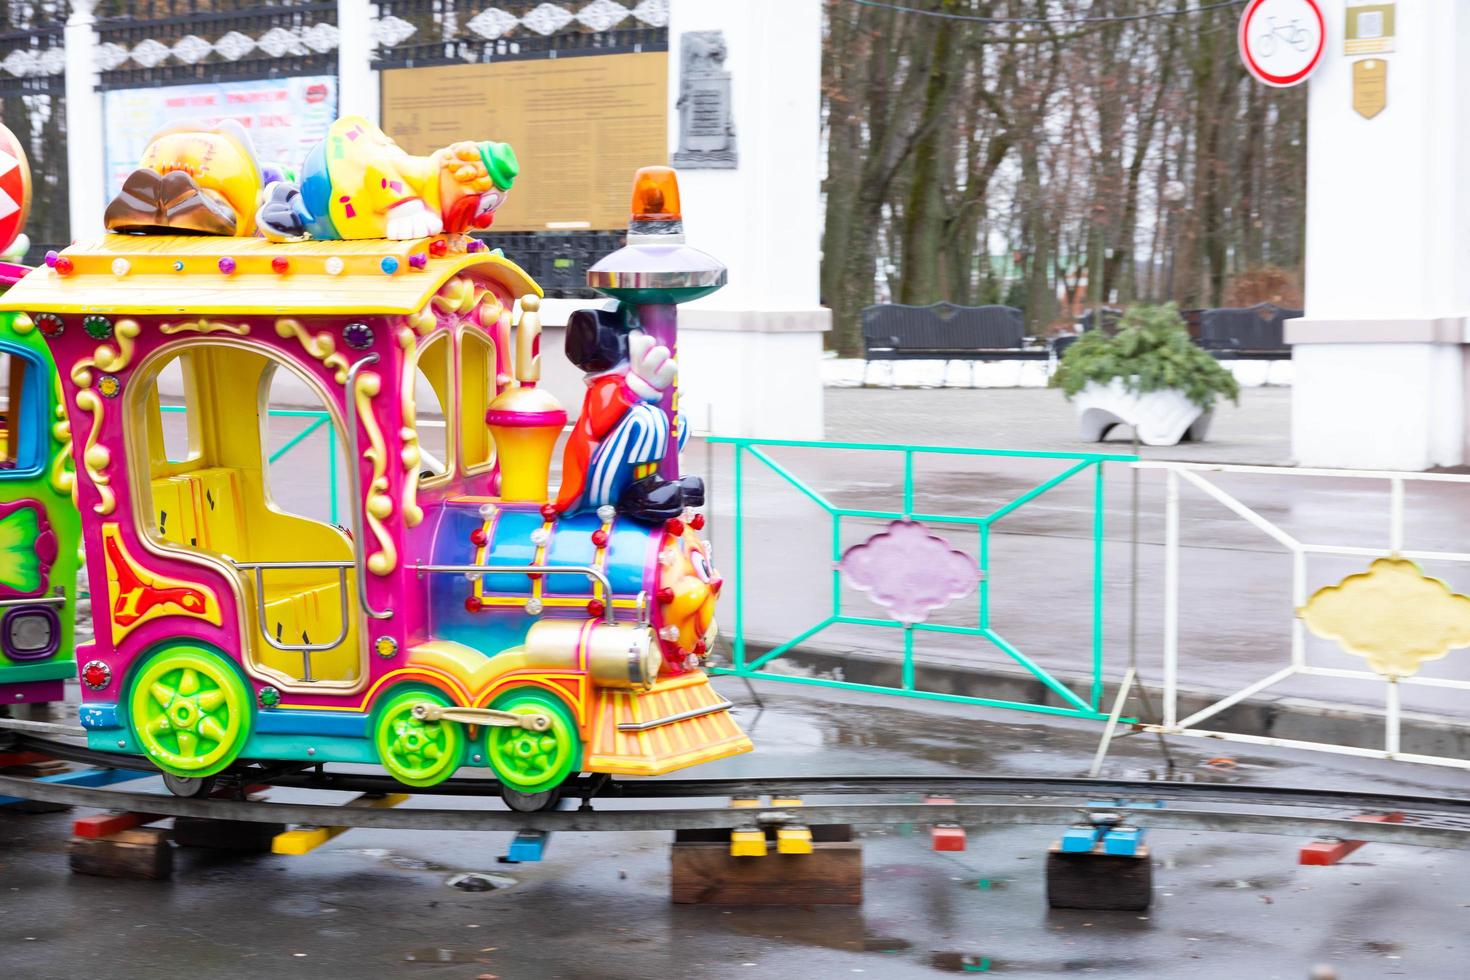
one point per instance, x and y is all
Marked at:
(992, 884)
(1255, 883)
(403, 862)
(480, 881)
(435, 955)
(963, 962)
(1379, 946)
(953, 961)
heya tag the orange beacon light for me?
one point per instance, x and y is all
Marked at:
(655, 195)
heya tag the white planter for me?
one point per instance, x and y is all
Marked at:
(1161, 418)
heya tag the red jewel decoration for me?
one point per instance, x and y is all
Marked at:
(438, 247)
(665, 595)
(477, 537)
(548, 511)
(96, 675)
(50, 324)
(599, 537)
(473, 604)
(280, 264)
(63, 265)
(596, 608)
(697, 522)
(674, 526)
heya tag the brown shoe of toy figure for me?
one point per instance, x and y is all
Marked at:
(188, 207)
(136, 206)
(150, 202)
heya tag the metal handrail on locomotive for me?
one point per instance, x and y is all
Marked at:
(468, 617)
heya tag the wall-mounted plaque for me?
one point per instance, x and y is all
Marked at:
(706, 120)
(1368, 28)
(1370, 86)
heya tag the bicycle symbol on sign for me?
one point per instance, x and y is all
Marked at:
(1292, 34)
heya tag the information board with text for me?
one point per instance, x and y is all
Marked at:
(580, 128)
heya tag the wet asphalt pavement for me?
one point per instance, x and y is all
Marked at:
(378, 903)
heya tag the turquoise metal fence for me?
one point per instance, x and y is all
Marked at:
(318, 420)
(1086, 705)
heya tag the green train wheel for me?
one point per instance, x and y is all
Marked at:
(189, 711)
(417, 752)
(529, 762)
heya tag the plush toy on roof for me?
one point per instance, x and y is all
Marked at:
(356, 183)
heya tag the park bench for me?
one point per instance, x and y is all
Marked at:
(1246, 333)
(944, 331)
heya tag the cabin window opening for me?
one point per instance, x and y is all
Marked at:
(431, 397)
(305, 461)
(477, 390)
(177, 416)
(22, 413)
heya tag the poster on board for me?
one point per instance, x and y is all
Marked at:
(285, 117)
(580, 128)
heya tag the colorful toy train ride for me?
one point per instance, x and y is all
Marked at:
(465, 619)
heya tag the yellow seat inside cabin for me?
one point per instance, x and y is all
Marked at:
(216, 500)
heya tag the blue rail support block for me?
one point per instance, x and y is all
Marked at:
(1130, 804)
(91, 778)
(1078, 840)
(1123, 841)
(528, 846)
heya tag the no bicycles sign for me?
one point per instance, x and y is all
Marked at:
(1281, 41)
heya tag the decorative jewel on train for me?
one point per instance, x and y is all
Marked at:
(96, 675)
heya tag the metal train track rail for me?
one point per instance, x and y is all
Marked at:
(1283, 811)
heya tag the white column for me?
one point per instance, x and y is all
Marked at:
(86, 190)
(357, 83)
(750, 354)
(1380, 363)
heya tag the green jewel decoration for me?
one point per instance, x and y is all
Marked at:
(97, 327)
(269, 697)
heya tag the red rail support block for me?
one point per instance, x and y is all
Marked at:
(1323, 853)
(11, 759)
(98, 825)
(945, 836)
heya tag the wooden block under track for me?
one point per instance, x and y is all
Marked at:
(226, 835)
(1096, 881)
(704, 873)
(141, 853)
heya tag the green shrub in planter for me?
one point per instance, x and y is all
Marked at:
(1151, 351)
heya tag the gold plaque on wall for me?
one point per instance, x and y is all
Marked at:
(1368, 28)
(1370, 86)
(580, 127)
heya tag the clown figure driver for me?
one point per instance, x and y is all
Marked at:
(612, 455)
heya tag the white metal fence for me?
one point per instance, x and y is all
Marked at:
(1299, 664)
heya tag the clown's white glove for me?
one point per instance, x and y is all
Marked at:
(651, 369)
(412, 218)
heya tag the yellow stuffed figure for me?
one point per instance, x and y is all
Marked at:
(358, 183)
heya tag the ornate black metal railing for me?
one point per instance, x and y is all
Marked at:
(174, 42)
(557, 260)
(415, 33)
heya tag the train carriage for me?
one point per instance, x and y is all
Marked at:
(39, 527)
(461, 620)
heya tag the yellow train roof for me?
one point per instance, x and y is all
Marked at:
(179, 274)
